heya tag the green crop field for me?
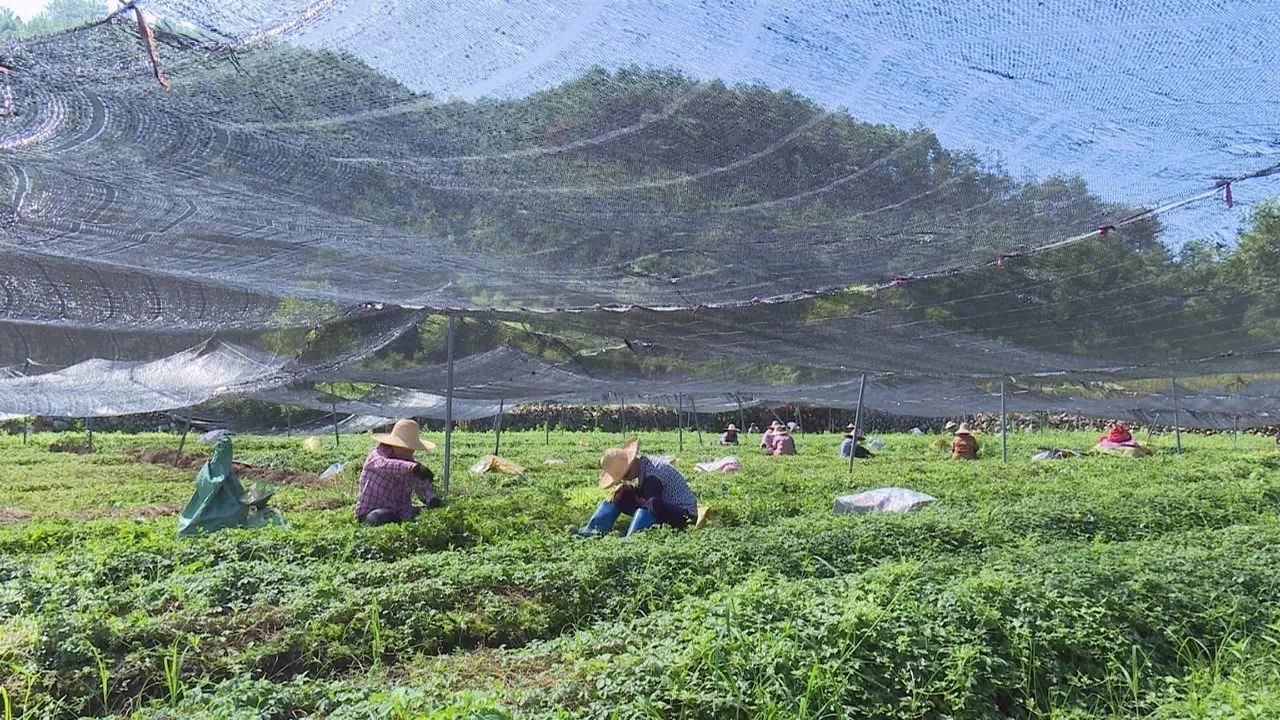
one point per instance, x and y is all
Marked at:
(1097, 587)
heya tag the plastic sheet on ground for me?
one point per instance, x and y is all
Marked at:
(493, 463)
(725, 464)
(1138, 450)
(890, 499)
(1055, 454)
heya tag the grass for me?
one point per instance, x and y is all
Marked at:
(1092, 588)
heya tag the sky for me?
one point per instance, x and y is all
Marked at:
(25, 9)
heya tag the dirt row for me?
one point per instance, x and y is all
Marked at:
(246, 471)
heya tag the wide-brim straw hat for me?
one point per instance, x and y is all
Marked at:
(849, 427)
(776, 424)
(615, 462)
(731, 428)
(964, 429)
(951, 425)
(406, 434)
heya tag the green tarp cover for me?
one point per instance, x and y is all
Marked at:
(220, 500)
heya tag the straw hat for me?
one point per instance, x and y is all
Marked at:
(406, 434)
(951, 425)
(615, 462)
(731, 428)
(849, 427)
(777, 424)
(963, 429)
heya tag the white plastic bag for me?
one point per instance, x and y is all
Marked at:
(882, 500)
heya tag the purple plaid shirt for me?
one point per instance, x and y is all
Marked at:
(389, 482)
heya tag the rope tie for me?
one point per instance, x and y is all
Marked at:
(149, 39)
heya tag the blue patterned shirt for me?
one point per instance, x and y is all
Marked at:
(675, 489)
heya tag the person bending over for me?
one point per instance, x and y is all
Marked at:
(390, 477)
(650, 491)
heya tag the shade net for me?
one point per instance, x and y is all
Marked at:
(734, 202)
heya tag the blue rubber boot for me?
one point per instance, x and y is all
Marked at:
(601, 521)
(643, 519)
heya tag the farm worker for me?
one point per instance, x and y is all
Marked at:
(650, 491)
(1118, 435)
(391, 476)
(754, 429)
(766, 440)
(783, 443)
(730, 436)
(853, 444)
(965, 445)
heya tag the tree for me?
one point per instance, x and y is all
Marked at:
(10, 24)
(64, 14)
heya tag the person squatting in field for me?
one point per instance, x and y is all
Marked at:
(390, 477)
(766, 440)
(852, 445)
(783, 443)
(965, 445)
(730, 436)
(650, 491)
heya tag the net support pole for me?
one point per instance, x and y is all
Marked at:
(1177, 424)
(26, 426)
(742, 416)
(497, 425)
(448, 403)
(182, 441)
(333, 410)
(89, 428)
(622, 414)
(1004, 427)
(693, 410)
(680, 419)
(857, 420)
(288, 421)
(1235, 428)
(546, 424)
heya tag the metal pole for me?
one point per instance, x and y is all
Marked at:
(1004, 427)
(333, 407)
(288, 421)
(497, 425)
(857, 420)
(26, 424)
(680, 418)
(546, 424)
(182, 442)
(89, 427)
(448, 406)
(1177, 425)
(1235, 428)
(622, 413)
(742, 417)
(831, 424)
(693, 409)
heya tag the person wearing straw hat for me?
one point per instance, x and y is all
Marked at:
(783, 443)
(652, 492)
(390, 477)
(730, 436)
(766, 440)
(852, 445)
(965, 445)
